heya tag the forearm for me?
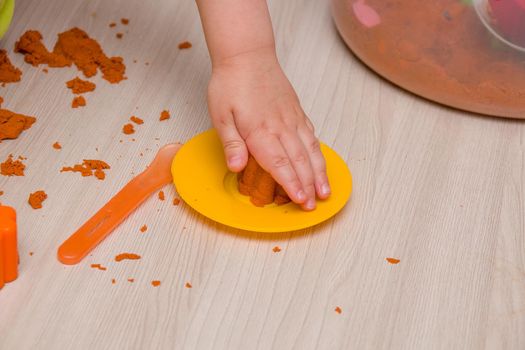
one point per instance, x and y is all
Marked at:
(236, 28)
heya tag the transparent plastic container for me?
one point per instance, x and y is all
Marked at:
(467, 54)
(505, 19)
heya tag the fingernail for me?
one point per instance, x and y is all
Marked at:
(325, 189)
(234, 161)
(310, 205)
(301, 196)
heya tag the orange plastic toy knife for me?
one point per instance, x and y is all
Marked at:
(158, 174)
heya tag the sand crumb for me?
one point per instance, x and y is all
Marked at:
(128, 129)
(184, 45)
(164, 115)
(393, 261)
(12, 167)
(127, 256)
(35, 199)
(90, 167)
(99, 267)
(78, 101)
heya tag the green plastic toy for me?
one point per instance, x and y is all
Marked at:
(7, 8)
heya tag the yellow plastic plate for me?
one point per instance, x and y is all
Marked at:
(204, 182)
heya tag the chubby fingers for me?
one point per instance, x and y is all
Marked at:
(267, 149)
(235, 150)
(317, 161)
(300, 161)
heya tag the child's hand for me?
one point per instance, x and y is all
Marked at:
(254, 108)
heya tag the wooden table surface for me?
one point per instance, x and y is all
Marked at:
(441, 190)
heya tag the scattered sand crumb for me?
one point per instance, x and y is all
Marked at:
(124, 21)
(127, 256)
(79, 86)
(31, 253)
(393, 261)
(276, 249)
(112, 24)
(8, 72)
(78, 101)
(338, 310)
(119, 35)
(13, 124)
(128, 129)
(89, 167)
(161, 195)
(184, 45)
(176, 201)
(12, 167)
(164, 115)
(98, 266)
(113, 281)
(155, 283)
(144, 228)
(35, 199)
(136, 120)
(57, 145)
(188, 285)
(131, 280)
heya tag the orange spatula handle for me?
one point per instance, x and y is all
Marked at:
(76, 247)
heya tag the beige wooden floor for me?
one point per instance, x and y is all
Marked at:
(439, 189)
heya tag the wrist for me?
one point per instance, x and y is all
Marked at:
(262, 56)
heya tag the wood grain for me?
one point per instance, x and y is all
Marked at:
(439, 189)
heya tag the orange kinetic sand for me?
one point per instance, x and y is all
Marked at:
(136, 120)
(188, 285)
(184, 45)
(35, 199)
(57, 145)
(90, 167)
(161, 195)
(176, 201)
(99, 267)
(276, 249)
(12, 124)
(128, 129)
(78, 101)
(259, 185)
(8, 72)
(35, 53)
(393, 261)
(164, 115)
(155, 283)
(88, 56)
(127, 256)
(143, 228)
(338, 310)
(12, 167)
(119, 35)
(124, 21)
(79, 86)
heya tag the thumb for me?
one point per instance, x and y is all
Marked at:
(234, 146)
